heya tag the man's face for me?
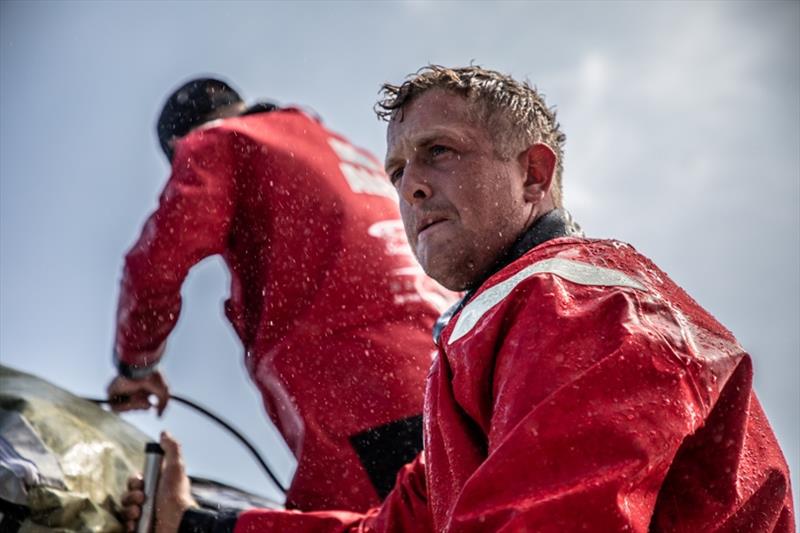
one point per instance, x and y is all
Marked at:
(462, 206)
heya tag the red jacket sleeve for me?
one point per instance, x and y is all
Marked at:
(405, 510)
(587, 403)
(192, 222)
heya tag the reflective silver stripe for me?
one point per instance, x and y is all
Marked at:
(574, 271)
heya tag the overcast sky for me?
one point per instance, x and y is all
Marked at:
(683, 138)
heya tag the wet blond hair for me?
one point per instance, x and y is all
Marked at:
(514, 113)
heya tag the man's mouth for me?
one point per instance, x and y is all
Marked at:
(429, 222)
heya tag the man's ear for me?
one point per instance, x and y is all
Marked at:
(540, 162)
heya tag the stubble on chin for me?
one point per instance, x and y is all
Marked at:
(454, 271)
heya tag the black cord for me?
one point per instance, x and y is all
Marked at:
(221, 422)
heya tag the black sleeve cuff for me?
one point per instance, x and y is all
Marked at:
(133, 371)
(197, 520)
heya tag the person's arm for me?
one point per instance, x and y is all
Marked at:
(405, 509)
(192, 222)
(589, 404)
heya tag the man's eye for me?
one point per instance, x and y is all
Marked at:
(438, 149)
(395, 175)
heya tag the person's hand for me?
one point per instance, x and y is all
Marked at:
(128, 394)
(173, 495)
(132, 501)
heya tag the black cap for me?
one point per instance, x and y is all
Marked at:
(190, 106)
(153, 447)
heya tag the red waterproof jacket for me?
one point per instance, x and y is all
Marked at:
(333, 310)
(580, 389)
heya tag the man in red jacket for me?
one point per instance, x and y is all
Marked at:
(333, 311)
(576, 387)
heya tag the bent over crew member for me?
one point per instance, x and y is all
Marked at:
(576, 387)
(333, 311)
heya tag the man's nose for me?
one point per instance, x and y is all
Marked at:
(414, 186)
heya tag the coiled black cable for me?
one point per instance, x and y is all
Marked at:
(216, 418)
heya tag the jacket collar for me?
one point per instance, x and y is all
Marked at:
(552, 225)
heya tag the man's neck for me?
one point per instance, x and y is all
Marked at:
(552, 225)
